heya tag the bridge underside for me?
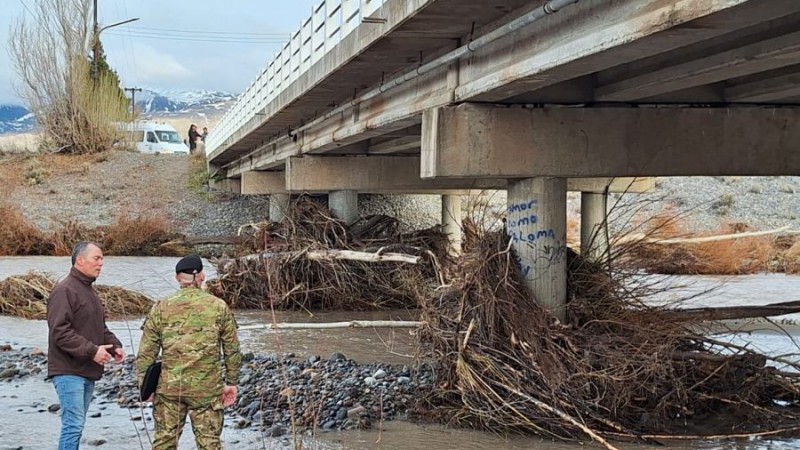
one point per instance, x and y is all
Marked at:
(599, 90)
(707, 76)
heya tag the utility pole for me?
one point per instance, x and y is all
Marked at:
(95, 43)
(96, 30)
(133, 92)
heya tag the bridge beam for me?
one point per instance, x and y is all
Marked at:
(484, 141)
(256, 182)
(757, 57)
(401, 174)
(372, 174)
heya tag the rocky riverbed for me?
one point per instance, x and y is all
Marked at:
(333, 393)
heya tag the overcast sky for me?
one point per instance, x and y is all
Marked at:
(197, 44)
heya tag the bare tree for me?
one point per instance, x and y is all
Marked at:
(49, 50)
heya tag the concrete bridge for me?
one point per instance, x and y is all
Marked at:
(535, 97)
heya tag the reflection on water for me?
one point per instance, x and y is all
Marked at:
(20, 403)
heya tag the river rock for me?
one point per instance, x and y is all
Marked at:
(276, 431)
(356, 412)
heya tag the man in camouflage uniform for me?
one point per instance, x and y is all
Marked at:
(190, 328)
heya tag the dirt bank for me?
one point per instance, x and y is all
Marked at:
(94, 190)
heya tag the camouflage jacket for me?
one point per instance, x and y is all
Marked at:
(190, 328)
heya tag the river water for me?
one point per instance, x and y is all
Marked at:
(25, 422)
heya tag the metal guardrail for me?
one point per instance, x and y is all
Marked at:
(330, 22)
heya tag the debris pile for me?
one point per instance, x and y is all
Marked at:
(617, 369)
(25, 296)
(311, 260)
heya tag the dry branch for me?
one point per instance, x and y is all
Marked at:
(324, 255)
(731, 312)
(644, 239)
(333, 325)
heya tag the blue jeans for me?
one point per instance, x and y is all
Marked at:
(74, 395)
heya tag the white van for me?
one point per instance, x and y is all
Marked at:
(152, 137)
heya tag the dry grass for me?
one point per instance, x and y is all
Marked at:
(26, 297)
(724, 257)
(18, 237)
(138, 236)
(790, 260)
(126, 236)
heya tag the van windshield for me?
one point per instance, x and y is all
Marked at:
(169, 136)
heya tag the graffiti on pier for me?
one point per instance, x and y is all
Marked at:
(524, 229)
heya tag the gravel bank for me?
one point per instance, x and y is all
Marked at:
(335, 393)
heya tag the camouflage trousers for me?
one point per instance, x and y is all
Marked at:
(170, 416)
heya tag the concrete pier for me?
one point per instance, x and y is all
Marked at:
(451, 221)
(594, 227)
(278, 203)
(344, 205)
(537, 225)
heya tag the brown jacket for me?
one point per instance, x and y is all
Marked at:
(77, 325)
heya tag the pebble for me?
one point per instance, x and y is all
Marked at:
(334, 393)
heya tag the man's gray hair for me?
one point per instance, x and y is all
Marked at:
(80, 249)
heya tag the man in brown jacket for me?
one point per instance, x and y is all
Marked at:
(79, 343)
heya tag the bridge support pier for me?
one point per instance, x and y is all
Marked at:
(344, 205)
(451, 222)
(278, 204)
(594, 226)
(537, 225)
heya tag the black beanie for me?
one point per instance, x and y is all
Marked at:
(191, 264)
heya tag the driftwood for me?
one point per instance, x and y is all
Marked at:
(732, 312)
(325, 255)
(643, 239)
(200, 240)
(331, 325)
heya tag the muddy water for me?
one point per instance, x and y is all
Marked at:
(25, 422)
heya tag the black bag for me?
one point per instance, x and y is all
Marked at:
(150, 382)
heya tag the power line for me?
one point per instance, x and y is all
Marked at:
(210, 32)
(181, 36)
(200, 39)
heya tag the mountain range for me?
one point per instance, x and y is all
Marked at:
(149, 102)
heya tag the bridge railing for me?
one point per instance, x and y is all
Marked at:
(330, 22)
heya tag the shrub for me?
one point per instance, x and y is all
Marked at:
(34, 172)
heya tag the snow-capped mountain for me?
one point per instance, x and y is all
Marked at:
(177, 102)
(15, 119)
(149, 102)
